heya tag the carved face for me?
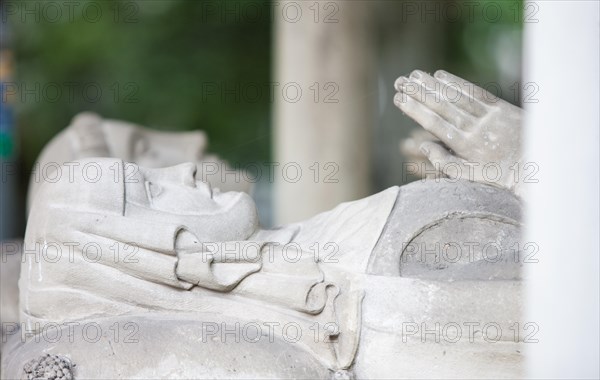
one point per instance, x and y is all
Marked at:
(91, 136)
(175, 195)
(159, 149)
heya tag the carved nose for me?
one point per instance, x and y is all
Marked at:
(187, 173)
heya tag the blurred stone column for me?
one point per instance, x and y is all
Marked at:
(323, 49)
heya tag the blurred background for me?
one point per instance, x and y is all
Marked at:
(220, 66)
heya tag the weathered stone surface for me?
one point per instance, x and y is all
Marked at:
(163, 346)
(49, 367)
(434, 221)
(413, 328)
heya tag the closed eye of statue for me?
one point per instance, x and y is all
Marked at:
(153, 190)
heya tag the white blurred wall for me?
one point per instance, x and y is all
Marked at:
(561, 56)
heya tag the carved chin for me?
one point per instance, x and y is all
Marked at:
(236, 222)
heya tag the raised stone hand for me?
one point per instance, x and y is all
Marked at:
(480, 133)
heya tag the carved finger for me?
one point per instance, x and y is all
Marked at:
(399, 82)
(410, 146)
(438, 96)
(429, 120)
(444, 161)
(473, 99)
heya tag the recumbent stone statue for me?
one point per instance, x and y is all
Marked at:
(183, 261)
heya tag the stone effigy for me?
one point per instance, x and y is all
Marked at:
(187, 272)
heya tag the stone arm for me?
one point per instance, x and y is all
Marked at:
(146, 252)
(198, 262)
(173, 256)
(254, 269)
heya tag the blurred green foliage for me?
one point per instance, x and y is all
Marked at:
(487, 42)
(151, 60)
(175, 64)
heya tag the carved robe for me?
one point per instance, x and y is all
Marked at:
(96, 265)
